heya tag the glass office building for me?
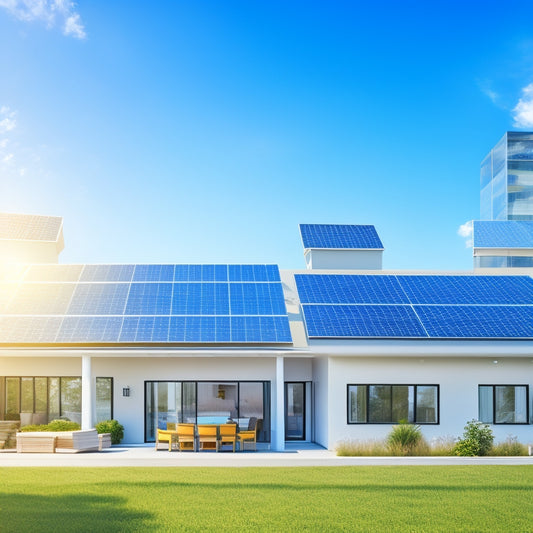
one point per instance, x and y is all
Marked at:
(507, 179)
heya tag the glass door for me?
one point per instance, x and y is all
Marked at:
(295, 411)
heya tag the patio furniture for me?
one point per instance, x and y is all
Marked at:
(207, 437)
(171, 426)
(228, 434)
(163, 436)
(249, 435)
(184, 437)
(58, 441)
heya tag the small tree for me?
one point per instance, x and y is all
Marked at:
(477, 440)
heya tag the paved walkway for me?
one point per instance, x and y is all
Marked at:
(295, 455)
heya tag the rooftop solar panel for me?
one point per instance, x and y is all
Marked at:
(468, 290)
(336, 236)
(358, 321)
(341, 289)
(172, 303)
(107, 273)
(359, 306)
(466, 321)
(29, 227)
(503, 234)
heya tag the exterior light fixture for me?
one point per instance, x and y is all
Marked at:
(126, 391)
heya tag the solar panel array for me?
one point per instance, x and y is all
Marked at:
(338, 236)
(29, 227)
(144, 304)
(409, 306)
(503, 234)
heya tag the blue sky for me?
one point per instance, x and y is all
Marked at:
(206, 131)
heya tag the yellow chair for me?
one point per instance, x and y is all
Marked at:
(228, 434)
(163, 436)
(185, 437)
(249, 435)
(207, 435)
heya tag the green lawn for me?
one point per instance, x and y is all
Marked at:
(415, 498)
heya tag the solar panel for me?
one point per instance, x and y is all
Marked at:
(359, 306)
(99, 299)
(468, 290)
(29, 329)
(336, 236)
(153, 273)
(356, 321)
(107, 273)
(503, 234)
(462, 321)
(149, 299)
(41, 299)
(341, 289)
(148, 304)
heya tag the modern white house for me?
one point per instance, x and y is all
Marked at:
(339, 350)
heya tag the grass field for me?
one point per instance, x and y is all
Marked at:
(416, 498)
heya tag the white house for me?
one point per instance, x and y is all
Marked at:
(339, 350)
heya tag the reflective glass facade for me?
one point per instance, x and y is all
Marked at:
(507, 179)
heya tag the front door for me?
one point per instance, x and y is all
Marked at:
(295, 411)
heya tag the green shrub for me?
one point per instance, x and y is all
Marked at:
(510, 447)
(54, 425)
(113, 427)
(477, 440)
(404, 439)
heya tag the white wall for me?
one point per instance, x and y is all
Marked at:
(458, 379)
(344, 259)
(321, 380)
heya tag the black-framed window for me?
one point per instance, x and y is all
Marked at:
(390, 404)
(48, 398)
(207, 402)
(504, 404)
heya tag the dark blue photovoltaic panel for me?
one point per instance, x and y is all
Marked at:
(99, 299)
(153, 273)
(339, 236)
(253, 273)
(107, 273)
(469, 290)
(358, 321)
(503, 234)
(462, 321)
(149, 299)
(339, 288)
(83, 329)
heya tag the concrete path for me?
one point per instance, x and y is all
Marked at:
(295, 455)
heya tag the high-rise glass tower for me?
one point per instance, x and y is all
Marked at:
(507, 179)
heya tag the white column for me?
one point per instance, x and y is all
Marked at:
(86, 393)
(278, 441)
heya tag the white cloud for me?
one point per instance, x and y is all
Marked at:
(466, 230)
(487, 90)
(523, 112)
(7, 119)
(51, 12)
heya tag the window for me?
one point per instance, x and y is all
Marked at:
(51, 398)
(504, 404)
(390, 404)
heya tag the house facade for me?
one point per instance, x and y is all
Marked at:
(339, 350)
